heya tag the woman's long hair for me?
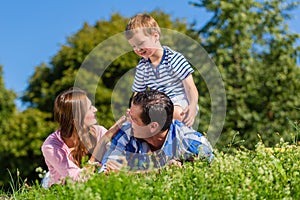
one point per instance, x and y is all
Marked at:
(70, 108)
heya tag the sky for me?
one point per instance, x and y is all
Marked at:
(32, 31)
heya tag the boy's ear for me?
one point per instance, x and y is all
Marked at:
(156, 35)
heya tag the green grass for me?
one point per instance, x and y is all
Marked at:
(264, 173)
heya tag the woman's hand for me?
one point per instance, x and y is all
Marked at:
(116, 127)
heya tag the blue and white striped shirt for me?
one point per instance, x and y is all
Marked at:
(166, 77)
(182, 143)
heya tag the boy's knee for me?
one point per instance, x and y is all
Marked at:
(177, 114)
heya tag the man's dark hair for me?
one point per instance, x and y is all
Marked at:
(156, 106)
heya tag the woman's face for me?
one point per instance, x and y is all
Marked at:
(90, 116)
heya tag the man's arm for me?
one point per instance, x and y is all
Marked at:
(198, 145)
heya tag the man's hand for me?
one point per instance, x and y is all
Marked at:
(115, 164)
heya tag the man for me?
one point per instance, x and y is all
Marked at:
(151, 139)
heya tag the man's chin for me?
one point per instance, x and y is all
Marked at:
(139, 136)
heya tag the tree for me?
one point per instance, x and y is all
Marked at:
(21, 136)
(7, 105)
(257, 55)
(7, 109)
(21, 144)
(81, 62)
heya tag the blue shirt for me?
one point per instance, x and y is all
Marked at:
(182, 143)
(166, 77)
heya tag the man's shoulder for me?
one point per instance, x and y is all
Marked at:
(180, 127)
(123, 134)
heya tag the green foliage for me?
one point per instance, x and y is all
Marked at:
(21, 143)
(94, 58)
(7, 105)
(256, 54)
(263, 173)
(78, 63)
(249, 42)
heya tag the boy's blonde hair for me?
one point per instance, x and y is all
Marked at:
(141, 21)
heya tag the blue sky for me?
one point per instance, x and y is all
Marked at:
(32, 31)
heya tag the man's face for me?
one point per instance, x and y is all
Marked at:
(139, 129)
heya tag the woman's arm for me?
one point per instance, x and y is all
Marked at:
(63, 166)
(101, 146)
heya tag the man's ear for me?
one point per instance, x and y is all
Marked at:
(154, 127)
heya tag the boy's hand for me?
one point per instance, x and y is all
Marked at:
(189, 114)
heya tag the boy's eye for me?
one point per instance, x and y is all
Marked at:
(138, 45)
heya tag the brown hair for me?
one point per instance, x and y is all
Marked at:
(139, 21)
(70, 108)
(156, 106)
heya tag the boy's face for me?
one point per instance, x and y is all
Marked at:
(144, 45)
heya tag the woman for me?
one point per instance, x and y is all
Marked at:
(75, 140)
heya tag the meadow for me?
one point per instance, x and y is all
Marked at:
(262, 173)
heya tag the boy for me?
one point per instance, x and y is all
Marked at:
(162, 68)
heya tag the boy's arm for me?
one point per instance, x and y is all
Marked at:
(192, 95)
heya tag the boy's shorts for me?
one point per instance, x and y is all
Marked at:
(182, 101)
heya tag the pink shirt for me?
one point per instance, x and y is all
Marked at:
(58, 159)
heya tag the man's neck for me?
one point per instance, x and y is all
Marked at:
(156, 142)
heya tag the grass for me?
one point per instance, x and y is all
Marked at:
(263, 173)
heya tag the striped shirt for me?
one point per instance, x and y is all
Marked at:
(166, 77)
(182, 143)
